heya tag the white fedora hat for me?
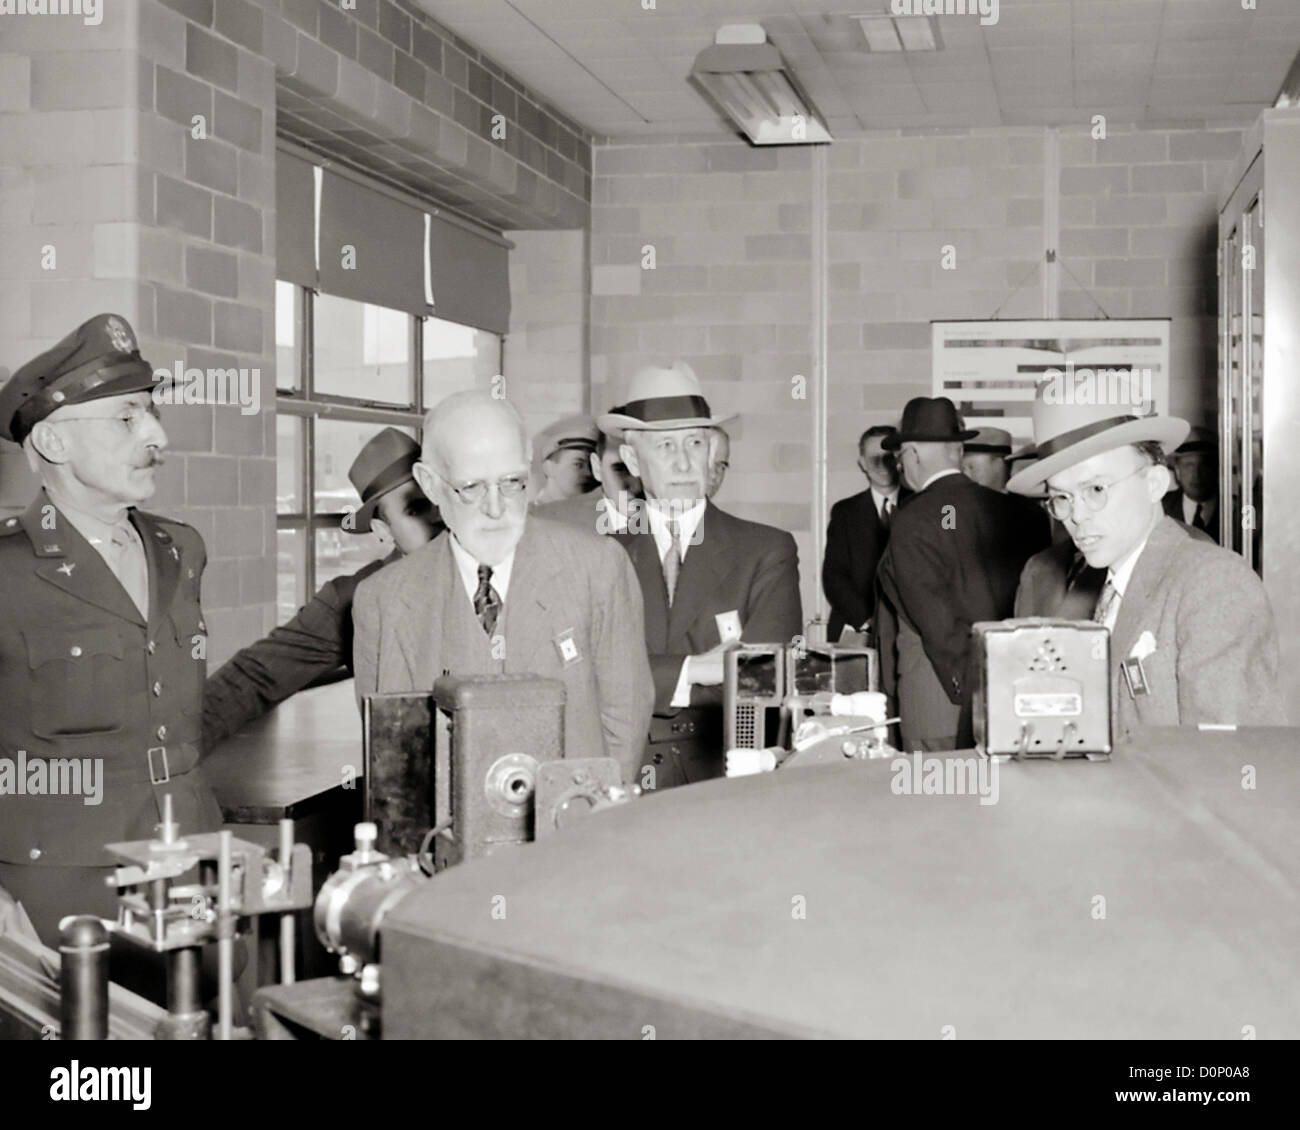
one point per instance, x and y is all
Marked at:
(1076, 418)
(661, 399)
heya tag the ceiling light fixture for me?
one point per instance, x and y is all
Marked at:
(748, 82)
(900, 33)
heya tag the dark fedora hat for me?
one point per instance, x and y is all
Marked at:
(1199, 440)
(383, 464)
(929, 419)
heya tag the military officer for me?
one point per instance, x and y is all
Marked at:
(103, 642)
(318, 640)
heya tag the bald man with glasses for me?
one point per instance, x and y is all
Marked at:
(505, 593)
(102, 643)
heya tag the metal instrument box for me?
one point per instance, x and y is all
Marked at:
(753, 691)
(838, 668)
(490, 734)
(1042, 688)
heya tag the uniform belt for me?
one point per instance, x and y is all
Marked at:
(156, 765)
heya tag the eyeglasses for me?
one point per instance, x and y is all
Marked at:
(1094, 496)
(508, 486)
(132, 418)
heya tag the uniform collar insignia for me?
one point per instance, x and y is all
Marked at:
(67, 567)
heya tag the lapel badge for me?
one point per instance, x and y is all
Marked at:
(67, 567)
(567, 648)
(729, 630)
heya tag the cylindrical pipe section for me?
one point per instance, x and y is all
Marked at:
(288, 940)
(225, 939)
(183, 981)
(83, 978)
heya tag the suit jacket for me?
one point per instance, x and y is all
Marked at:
(315, 643)
(415, 623)
(1216, 650)
(1173, 504)
(737, 565)
(954, 558)
(1060, 584)
(84, 676)
(583, 511)
(855, 540)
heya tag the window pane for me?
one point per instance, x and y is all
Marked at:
(339, 553)
(338, 443)
(291, 572)
(457, 357)
(362, 351)
(288, 365)
(289, 466)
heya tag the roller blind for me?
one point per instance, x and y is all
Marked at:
(469, 277)
(371, 246)
(295, 220)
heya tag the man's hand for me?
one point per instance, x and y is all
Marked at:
(707, 668)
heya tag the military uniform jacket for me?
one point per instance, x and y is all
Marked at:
(82, 676)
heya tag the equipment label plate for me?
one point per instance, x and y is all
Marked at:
(1048, 705)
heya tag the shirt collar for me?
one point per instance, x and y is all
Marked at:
(1120, 573)
(94, 529)
(881, 497)
(939, 475)
(467, 567)
(688, 521)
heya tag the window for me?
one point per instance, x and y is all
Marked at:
(344, 370)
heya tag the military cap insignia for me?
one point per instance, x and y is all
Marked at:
(119, 335)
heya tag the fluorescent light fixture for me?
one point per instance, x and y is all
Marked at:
(746, 79)
(900, 33)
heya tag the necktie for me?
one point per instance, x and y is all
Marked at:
(130, 568)
(887, 512)
(487, 604)
(672, 561)
(1109, 595)
(1198, 519)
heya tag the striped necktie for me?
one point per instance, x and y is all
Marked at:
(487, 604)
(1109, 596)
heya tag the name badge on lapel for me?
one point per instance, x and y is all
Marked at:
(567, 648)
(728, 626)
(1134, 673)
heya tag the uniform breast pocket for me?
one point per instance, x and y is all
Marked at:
(190, 665)
(78, 682)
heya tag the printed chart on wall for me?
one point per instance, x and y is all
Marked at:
(991, 369)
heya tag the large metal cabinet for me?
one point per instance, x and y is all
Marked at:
(1259, 371)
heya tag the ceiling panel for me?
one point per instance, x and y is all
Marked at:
(618, 68)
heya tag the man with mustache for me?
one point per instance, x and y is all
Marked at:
(103, 643)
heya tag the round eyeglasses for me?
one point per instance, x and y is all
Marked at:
(508, 486)
(1094, 497)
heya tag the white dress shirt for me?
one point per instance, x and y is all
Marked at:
(1118, 576)
(939, 475)
(880, 500)
(1189, 510)
(467, 567)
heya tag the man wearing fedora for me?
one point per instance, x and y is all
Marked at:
(707, 578)
(984, 458)
(954, 557)
(1192, 636)
(857, 534)
(102, 641)
(503, 592)
(317, 642)
(1196, 468)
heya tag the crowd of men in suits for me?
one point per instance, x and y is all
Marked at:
(595, 555)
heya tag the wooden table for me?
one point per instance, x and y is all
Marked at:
(302, 761)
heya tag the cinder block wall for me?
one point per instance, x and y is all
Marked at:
(730, 290)
(102, 163)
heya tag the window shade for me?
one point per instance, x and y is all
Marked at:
(295, 220)
(386, 266)
(470, 277)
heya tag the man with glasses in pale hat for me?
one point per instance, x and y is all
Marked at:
(504, 593)
(707, 577)
(102, 642)
(1192, 636)
(317, 642)
(954, 557)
